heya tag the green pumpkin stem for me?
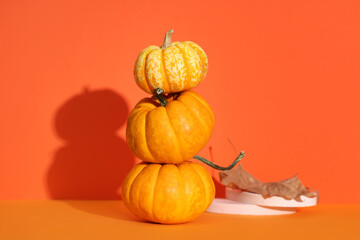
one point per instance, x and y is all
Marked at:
(213, 165)
(158, 92)
(167, 40)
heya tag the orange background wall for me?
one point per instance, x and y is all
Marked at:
(283, 82)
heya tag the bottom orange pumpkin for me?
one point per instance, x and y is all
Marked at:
(168, 193)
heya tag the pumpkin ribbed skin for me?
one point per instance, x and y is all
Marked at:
(178, 67)
(168, 193)
(170, 134)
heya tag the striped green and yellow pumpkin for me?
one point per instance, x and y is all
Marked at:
(173, 67)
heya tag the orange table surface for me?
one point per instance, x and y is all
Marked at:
(111, 220)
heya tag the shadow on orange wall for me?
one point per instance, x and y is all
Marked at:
(220, 189)
(94, 160)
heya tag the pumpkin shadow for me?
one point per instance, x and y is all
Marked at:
(219, 189)
(111, 209)
(94, 160)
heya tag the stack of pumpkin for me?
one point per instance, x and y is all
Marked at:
(165, 131)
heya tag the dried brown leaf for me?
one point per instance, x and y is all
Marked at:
(239, 178)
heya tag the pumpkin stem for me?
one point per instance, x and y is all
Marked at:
(213, 165)
(167, 40)
(158, 92)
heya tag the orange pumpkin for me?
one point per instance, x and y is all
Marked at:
(168, 193)
(174, 67)
(172, 133)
